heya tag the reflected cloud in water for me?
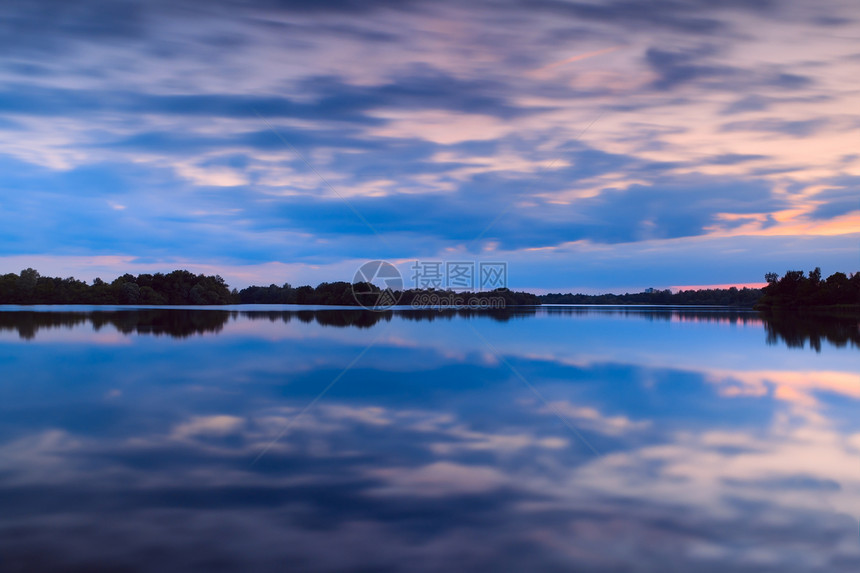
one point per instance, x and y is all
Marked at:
(428, 454)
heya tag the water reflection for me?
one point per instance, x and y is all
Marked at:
(426, 452)
(182, 323)
(177, 323)
(795, 330)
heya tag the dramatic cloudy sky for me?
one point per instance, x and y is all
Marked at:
(591, 145)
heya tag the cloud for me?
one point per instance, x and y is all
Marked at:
(801, 128)
(221, 425)
(675, 68)
(591, 419)
(428, 117)
(724, 482)
(838, 200)
(738, 484)
(681, 17)
(439, 479)
(735, 158)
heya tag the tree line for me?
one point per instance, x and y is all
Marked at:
(183, 287)
(175, 288)
(347, 294)
(745, 297)
(795, 289)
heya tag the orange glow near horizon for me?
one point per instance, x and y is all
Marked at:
(789, 222)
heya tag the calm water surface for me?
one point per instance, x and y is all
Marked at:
(551, 439)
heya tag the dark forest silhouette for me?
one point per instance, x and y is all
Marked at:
(181, 287)
(342, 293)
(745, 297)
(796, 290)
(175, 288)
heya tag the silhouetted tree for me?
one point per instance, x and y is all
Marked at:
(794, 290)
(178, 287)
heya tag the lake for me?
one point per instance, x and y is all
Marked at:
(532, 439)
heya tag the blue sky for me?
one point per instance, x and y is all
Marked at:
(592, 145)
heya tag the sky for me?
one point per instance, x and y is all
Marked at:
(591, 146)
